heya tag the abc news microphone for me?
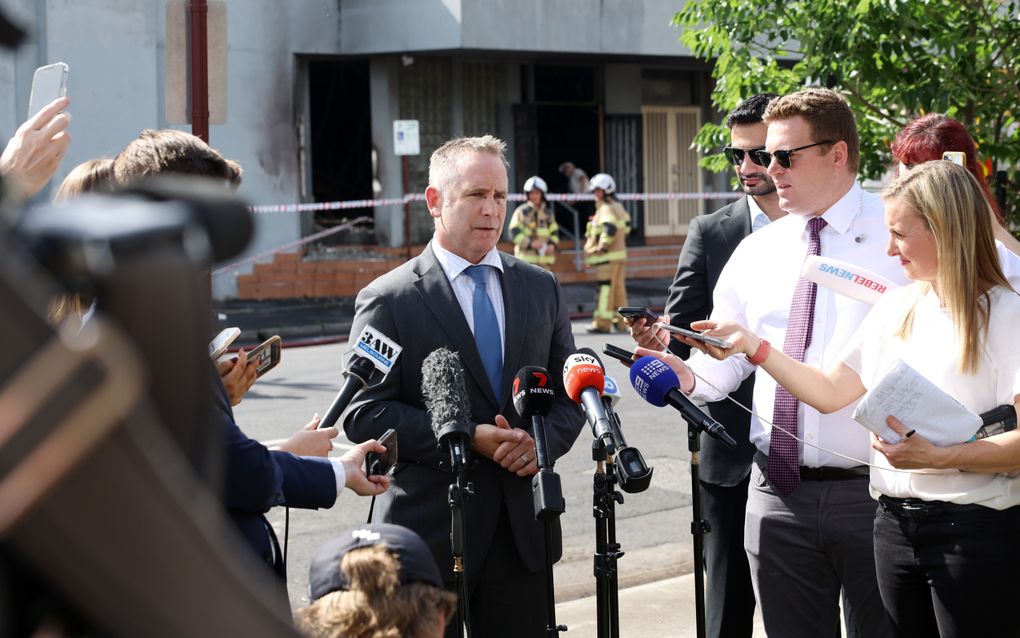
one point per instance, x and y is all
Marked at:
(656, 383)
(584, 381)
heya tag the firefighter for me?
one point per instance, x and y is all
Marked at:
(606, 250)
(533, 227)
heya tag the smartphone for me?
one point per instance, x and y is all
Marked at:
(719, 343)
(222, 341)
(48, 83)
(379, 463)
(637, 312)
(266, 355)
(621, 355)
(956, 157)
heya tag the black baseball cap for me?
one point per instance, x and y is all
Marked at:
(416, 562)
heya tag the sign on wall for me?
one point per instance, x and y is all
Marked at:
(405, 137)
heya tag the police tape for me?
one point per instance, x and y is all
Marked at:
(513, 197)
(294, 244)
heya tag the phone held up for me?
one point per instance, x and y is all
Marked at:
(222, 341)
(48, 83)
(623, 356)
(697, 336)
(637, 312)
(266, 355)
(956, 157)
(380, 463)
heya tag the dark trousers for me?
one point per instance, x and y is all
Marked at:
(508, 601)
(805, 548)
(950, 571)
(729, 596)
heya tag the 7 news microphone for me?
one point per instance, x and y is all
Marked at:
(533, 396)
(446, 399)
(656, 383)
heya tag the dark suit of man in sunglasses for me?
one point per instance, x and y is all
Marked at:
(724, 471)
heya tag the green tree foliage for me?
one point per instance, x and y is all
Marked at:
(892, 59)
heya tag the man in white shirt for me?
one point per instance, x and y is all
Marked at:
(808, 530)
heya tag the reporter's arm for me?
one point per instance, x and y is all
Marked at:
(37, 148)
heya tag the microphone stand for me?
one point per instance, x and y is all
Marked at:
(460, 491)
(699, 526)
(549, 504)
(607, 550)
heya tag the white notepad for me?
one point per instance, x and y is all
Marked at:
(919, 404)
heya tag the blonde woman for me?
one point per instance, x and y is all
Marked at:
(946, 549)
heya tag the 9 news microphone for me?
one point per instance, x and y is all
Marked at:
(584, 381)
(533, 396)
(656, 383)
(442, 384)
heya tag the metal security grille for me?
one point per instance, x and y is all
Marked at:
(425, 89)
(623, 160)
(670, 165)
(483, 90)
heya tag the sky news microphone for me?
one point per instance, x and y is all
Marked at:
(656, 383)
(373, 351)
(446, 399)
(584, 381)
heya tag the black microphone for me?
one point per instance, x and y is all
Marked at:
(442, 384)
(658, 384)
(534, 395)
(635, 475)
(355, 378)
(584, 381)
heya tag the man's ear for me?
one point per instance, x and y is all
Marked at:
(434, 201)
(840, 154)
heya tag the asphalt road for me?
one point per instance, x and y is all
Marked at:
(653, 527)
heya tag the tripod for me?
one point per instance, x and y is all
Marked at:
(607, 550)
(549, 504)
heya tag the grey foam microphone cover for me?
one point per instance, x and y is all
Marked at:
(446, 399)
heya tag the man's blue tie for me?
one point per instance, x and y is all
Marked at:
(490, 344)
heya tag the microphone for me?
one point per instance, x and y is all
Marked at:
(584, 380)
(656, 383)
(355, 378)
(635, 475)
(442, 384)
(533, 396)
(847, 279)
(373, 351)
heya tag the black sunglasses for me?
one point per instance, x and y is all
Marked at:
(764, 158)
(736, 155)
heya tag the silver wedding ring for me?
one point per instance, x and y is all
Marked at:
(524, 457)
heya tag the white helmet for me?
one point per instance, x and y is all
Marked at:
(603, 181)
(536, 182)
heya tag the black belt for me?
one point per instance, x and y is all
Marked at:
(915, 508)
(833, 473)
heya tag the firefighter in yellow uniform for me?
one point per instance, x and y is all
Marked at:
(533, 228)
(606, 250)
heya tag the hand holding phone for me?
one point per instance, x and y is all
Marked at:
(222, 341)
(48, 83)
(621, 355)
(380, 463)
(266, 355)
(697, 336)
(637, 312)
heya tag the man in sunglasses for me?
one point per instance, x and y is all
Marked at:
(808, 528)
(724, 471)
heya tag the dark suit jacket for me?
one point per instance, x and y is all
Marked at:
(258, 479)
(711, 239)
(415, 306)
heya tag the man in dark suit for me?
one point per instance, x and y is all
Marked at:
(724, 471)
(499, 313)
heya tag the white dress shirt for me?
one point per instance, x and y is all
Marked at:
(464, 287)
(756, 288)
(932, 350)
(759, 219)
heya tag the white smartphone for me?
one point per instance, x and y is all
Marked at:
(222, 341)
(48, 83)
(956, 157)
(719, 343)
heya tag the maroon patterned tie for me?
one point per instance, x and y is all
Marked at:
(784, 461)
